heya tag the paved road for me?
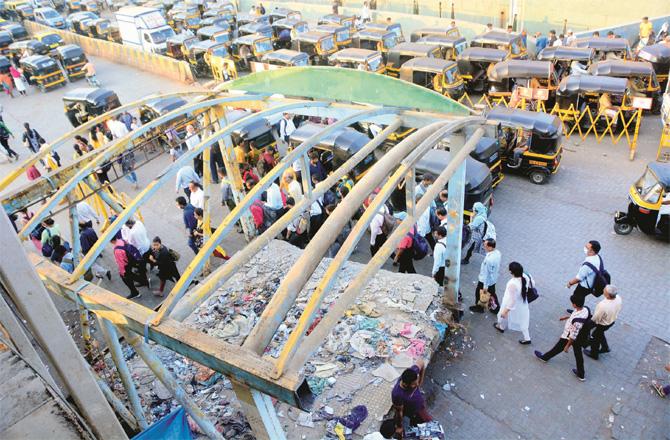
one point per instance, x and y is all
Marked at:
(499, 390)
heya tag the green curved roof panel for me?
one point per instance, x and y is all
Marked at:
(349, 85)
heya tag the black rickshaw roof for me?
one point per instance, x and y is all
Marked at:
(427, 64)
(662, 171)
(354, 54)
(565, 53)
(575, 84)
(345, 139)
(253, 129)
(82, 15)
(479, 54)
(312, 36)
(602, 43)
(165, 105)
(204, 45)
(656, 53)
(180, 38)
(256, 27)
(331, 27)
(208, 31)
(93, 95)
(442, 40)
(249, 39)
(14, 26)
(282, 11)
(496, 37)
(38, 61)
(413, 48)
(435, 161)
(621, 68)
(6, 34)
(520, 69)
(382, 26)
(437, 31)
(243, 16)
(68, 49)
(4, 61)
(374, 34)
(284, 55)
(337, 18)
(538, 122)
(288, 22)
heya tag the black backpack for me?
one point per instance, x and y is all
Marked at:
(602, 278)
(584, 332)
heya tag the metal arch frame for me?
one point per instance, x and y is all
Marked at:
(196, 265)
(114, 149)
(172, 169)
(33, 159)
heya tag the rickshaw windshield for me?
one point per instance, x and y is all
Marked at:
(263, 46)
(648, 187)
(220, 52)
(342, 35)
(301, 62)
(161, 36)
(451, 75)
(222, 38)
(302, 27)
(327, 44)
(103, 26)
(390, 42)
(51, 39)
(374, 63)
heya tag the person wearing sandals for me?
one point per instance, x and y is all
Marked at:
(514, 313)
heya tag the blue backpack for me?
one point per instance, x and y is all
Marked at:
(132, 253)
(420, 246)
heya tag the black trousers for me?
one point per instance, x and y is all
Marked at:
(582, 291)
(406, 262)
(577, 350)
(430, 239)
(129, 280)
(491, 289)
(439, 276)
(379, 241)
(11, 153)
(599, 341)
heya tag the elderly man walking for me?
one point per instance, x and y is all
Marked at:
(604, 317)
(488, 277)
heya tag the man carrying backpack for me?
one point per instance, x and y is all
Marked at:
(404, 253)
(586, 277)
(125, 261)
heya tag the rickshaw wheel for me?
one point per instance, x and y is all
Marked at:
(623, 228)
(538, 177)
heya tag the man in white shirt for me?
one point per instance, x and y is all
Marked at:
(377, 236)
(273, 197)
(440, 255)
(197, 197)
(185, 176)
(604, 317)
(294, 187)
(441, 214)
(315, 216)
(117, 128)
(134, 232)
(86, 214)
(286, 128)
(192, 138)
(423, 225)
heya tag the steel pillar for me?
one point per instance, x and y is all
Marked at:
(259, 412)
(452, 265)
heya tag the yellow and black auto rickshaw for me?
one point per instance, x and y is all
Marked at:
(450, 47)
(318, 45)
(396, 28)
(50, 39)
(436, 31)
(343, 38)
(286, 58)
(4, 64)
(86, 103)
(5, 40)
(568, 60)
(250, 48)
(223, 67)
(282, 14)
(259, 28)
(73, 59)
(200, 53)
(31, 47)
(359, 59)
(18, 31)
(511, 43)
(19, 10)
(473, 65)
(504, 76)
(372, 39)
(641, 75)
(648, 204)
(659, 57)
(243, 18)
(214, 33)
(404, 52)
(606, 48)
(530, 142)
(285, 29)
(75, 21)
(89, 5)
(42, 72)
(179, 46)
(434, 74)
(343, 20)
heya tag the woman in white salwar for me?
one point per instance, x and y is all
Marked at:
(514, 313)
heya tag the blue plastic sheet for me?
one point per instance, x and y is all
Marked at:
(174, 426)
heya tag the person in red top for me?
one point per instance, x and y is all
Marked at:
(125, 267)
(404, 255)
(33, 173)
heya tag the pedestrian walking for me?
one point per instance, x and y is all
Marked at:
(286, 128)
(190, 222)
(378, 233)
(31, 138)
(423, 224)
(7, 84)
(273, 197)
(87, 239)
(33, 173)
(316, 168)
(19, 82)
(165, 259)
(439, 255)
(365, 13)
(128, 168)
(197, 197)
(570, 336)
(514, 313)
(5, 134)
(186, 175)
(478, 229)
(292, 186)
(485, 292)
(134, 233)
(125, 262)
(604, 316)
(86, 214)
(51, 230)
(404, 253)
(298, 229)
(587, 270)
(408, 399)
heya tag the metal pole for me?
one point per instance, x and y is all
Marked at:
(259, 412)
(207, 189)
(115, 402)
(37, 308)
(112, 340)
(452, 265)
(162, 374)
(195, 297)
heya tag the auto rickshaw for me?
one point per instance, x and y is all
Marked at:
(659, 57)
(648, 206)
(32, 47)
(336, 148)
(451, 47)
(99, 28)
(533, 137)
(17, 9)
(576, 93)
(255, 28)
(606, 48)
(183, 21)
(42, 72)
(510, 43)
(18, 31)
(503, 76)
(223, 68)
(318, 45)
(243, 18)
(74, 21)
(178, 46)
(259, 132)
(73, 5)
(199, 53)
(50, 39)
(4, 64)
(73, 59)
(250, 48)
(5, 40)
(214, 33)
(404, 52)
(434, 74)
(286, 58)
(283, 14)
(89, 5)
(287, 27)
(567, 57)
(359, 59)
(487, 151)
(343, 20)
(396, 28)
(342, 34)
(436, 31)
(220, 21)
(372, 39)
(158, 107)
(86, 103)
(641, 74)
